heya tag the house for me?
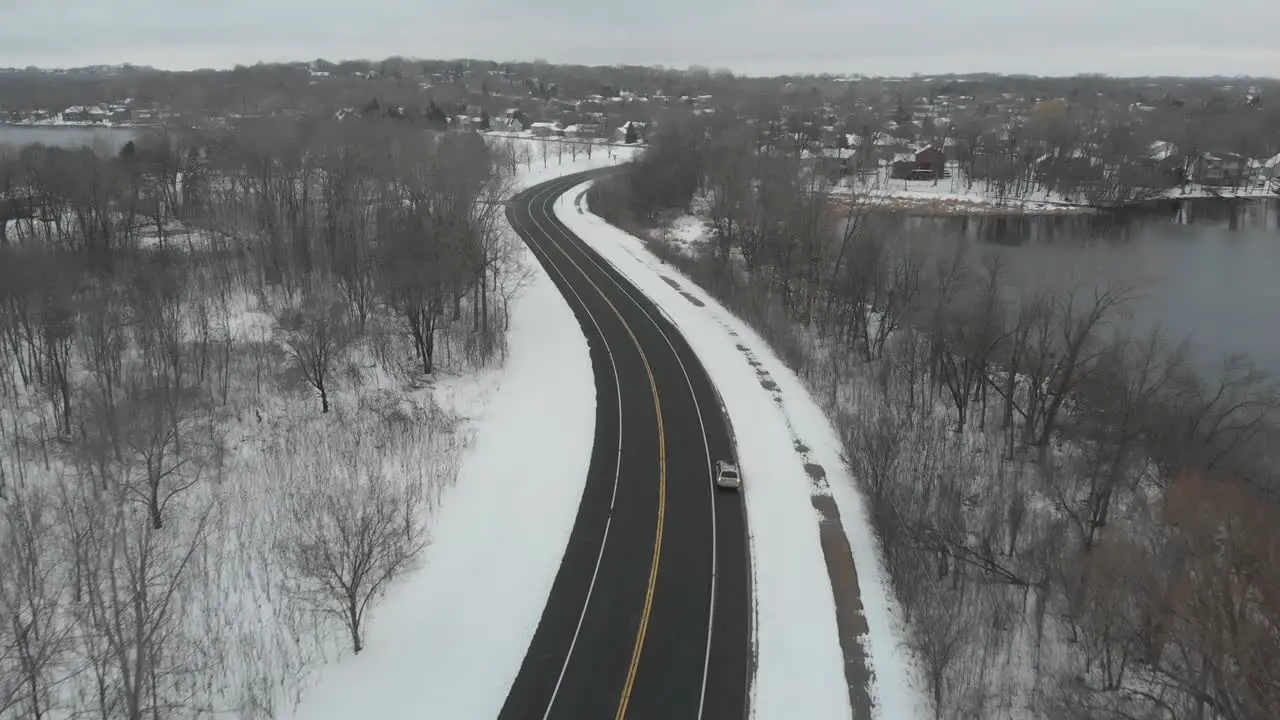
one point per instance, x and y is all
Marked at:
(1166, 163)
(465, 122)
(582, 130)
(927, 163)
(1221, 169)
(546, 129)
(506, 123)
(76, 114)
(931, 163)
(620, 134)
(835, 162)
(1077, 168)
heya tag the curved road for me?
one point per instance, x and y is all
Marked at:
(649, 615)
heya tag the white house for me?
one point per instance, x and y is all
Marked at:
(506, 123)
(582, 130)
(546, 129)
(620, 133)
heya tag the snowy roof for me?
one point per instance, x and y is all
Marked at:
(1161, 150)
(1273, 162)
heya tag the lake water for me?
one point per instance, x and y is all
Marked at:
(1206, 269)
(109, 139)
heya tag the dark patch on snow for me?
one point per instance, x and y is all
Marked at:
(800, 446)
(815, 471)
(676, 286)
(693, 299)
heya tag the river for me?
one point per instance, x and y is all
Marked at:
(1208, 270)
(107, 139)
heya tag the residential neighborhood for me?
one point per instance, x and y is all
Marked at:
(1091, 141)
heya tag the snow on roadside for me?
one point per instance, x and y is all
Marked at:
(448, 640)
(800, 664)
(533, 168)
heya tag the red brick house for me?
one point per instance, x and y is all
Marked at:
(931, 163)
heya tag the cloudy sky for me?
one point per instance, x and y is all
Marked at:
(1119, 37)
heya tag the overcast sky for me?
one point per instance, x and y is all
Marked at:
(1118, 37)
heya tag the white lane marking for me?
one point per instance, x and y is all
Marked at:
(706, 662)
(604, 539)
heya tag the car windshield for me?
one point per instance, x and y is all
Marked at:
(729, 473)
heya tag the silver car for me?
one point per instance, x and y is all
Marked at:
(727, 475)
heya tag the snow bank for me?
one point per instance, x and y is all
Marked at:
(800, 664)
(448, 640)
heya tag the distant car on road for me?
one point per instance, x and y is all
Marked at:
(727, 475)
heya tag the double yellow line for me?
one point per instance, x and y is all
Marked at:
(625, 700)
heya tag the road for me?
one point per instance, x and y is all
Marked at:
(649, 615)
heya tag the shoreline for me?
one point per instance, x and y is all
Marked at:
(954, 207)
(72, 125)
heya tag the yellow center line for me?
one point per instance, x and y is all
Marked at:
(627, 687)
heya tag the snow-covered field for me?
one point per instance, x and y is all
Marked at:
(800, 664)
(448, 640)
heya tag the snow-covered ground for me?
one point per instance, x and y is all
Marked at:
(448, 639)
(528, 135)
(541, 160)
(800, 664)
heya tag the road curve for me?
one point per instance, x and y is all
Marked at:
(649, 615)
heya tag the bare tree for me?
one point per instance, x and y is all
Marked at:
(971, 331)
(353, 528)
(137, 580)
(318, 333)
(36, 637)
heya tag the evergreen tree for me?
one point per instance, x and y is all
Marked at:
(901, 115)
(436, 117)
(633, 137)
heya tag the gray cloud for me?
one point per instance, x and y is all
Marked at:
(754, 36)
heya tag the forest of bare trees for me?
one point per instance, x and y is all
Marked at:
(216, 353)
(1078, 521)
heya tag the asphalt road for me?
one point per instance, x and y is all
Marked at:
(649, 615)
